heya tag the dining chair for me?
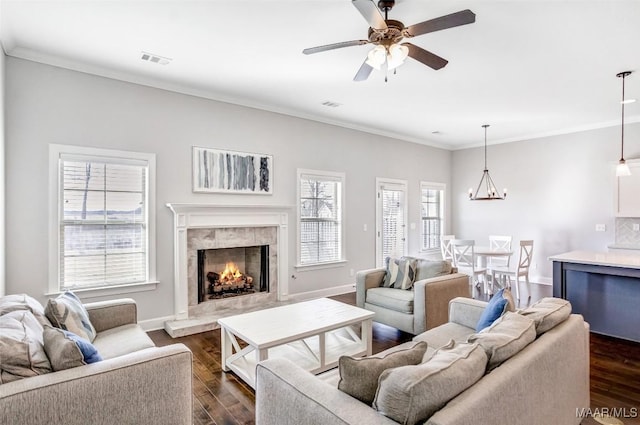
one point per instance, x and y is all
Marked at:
(445, 247)
(465, 260)
(498, 243)
(522, 270)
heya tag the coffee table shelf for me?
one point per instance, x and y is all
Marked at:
(313, 334)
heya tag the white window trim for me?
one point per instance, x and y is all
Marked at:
(54, 219)
(335, 175)
(443, 188)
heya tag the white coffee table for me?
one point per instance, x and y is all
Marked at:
(313, 334)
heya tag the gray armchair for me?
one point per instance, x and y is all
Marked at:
(423, 307)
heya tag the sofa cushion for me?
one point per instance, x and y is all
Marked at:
(67, 312)
(14, 302)
(505, 337)
(443, 334)
(411, 394)
(359, 376)
(495, 308)
(391, 298)
(122, 340)
(22, 352)
(547, 313)
(66, 350)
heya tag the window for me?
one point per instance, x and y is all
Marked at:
(320, 231)
(102, 231)
(432, 214)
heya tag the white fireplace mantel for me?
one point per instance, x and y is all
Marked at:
(198, 216)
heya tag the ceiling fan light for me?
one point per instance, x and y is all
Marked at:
(397, 55)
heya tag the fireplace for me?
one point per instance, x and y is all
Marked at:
(232, 272)
(262, 230)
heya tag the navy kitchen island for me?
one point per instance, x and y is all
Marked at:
(602, 286)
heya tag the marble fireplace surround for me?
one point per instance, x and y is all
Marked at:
(193, 223)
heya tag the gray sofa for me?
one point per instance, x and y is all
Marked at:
(547, 382)
(136, 383)
(423, 307)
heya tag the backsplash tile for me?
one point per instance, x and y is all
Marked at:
(625, 235)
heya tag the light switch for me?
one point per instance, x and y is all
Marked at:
(636, 227)
(601, 228)
(364, 227)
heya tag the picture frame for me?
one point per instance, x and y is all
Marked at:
(229, 171)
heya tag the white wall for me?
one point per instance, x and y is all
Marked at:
(2, 175)
(559, 189)
(52, 105)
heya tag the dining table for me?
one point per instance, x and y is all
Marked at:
(482, 253)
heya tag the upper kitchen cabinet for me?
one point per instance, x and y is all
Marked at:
(628, 192)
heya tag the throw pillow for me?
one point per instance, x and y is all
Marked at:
(67, 312)
(547, 313)
(391, 273)
(496, 307)
(511, 304)
(406, 273)
(14, 302)
(359, 376)
(411, 394)
(66, 349)
(22, 352)
(506, 337)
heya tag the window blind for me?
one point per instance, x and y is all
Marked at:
(320, 219)
(431, 209)
(103, 222)
(393, 225)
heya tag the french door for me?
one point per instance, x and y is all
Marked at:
(391, 219)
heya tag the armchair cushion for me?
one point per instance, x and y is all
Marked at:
(67, 312)
(122, 340)
(426, 269)
(359, 376)
(391, 298)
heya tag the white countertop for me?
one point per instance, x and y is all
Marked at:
(611, 259)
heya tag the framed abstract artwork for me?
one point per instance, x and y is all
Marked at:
(225, 171)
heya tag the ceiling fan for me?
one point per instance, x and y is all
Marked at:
(387, 35)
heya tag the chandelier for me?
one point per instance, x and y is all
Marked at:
(486, 190)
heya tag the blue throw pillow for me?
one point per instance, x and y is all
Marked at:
(492, 311)
(89, 352)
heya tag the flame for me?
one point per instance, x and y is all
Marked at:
(230, 272)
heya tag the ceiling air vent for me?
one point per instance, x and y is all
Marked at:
(150, 57)
(331, 104)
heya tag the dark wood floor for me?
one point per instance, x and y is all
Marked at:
(223, 399)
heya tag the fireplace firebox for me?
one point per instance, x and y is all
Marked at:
(232, 272)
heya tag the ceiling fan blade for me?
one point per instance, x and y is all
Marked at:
(369, 10)
(431, 60)
(364, 72)
(326, 47)
(448, 21)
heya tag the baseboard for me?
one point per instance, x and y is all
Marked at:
(155, 324)
(329, 292)
(541, 280)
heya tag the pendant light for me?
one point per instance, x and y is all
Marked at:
(622, 169)
(486, 190)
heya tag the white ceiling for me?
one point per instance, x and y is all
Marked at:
(528, 68)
